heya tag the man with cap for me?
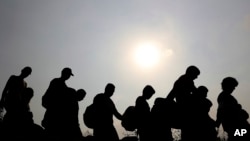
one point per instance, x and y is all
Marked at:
(53, 101)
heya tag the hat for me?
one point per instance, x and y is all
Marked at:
(67, 71)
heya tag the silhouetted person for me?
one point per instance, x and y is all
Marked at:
(28, 129)
(230, 113)
(13, 89)
(203, 126)
(143, 113)
(71, 124)
(54, 101)
(24, 128)
(105, 109)
(182, 90)
(11, 98)
(161, 120)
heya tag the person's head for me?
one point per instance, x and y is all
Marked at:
(228, 84)
(202, 91)
(148, 92)
(80, 94)
(26, 71)
(109, 89)
(192, 72)
(159, 101)
(66, 73)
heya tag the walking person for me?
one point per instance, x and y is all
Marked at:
(230, 113)
(143, 113)
(182, 90)
(71, 122)
(203, 125)
(11, 96)
(105, 110)
(11, 100)
(54, 101)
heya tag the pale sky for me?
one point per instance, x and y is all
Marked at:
(98, 40)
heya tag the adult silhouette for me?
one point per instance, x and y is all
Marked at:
(105, 110)
(71, 122)
(230, 113)
(143, 113)
(182, 90)
(24, 127)
(162, 119)
(203, 126)
(11, 96)
(54, 101)
(11, 99)
(28, 129)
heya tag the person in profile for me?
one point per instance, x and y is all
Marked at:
(203, 125)
(230, 113)
(161, 119)
(24, 128)
(105, 109)
(143, 113)
(182, 90)
(54, 101)
(12, 97)
(71, 123)
(28, 129)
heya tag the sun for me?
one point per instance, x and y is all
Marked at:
(147, 54)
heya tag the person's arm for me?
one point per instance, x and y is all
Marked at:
(5, 91)
(218, 117)
(116, 113)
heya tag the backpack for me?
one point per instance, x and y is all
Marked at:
(89, 116)
(129, 119)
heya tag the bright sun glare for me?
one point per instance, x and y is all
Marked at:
(147, 55)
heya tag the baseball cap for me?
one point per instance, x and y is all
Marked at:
(67, 71)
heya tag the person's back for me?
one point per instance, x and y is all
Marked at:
(52, 102)
(184, 86)
(56, 87)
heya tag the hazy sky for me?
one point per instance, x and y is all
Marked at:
(98, 39)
